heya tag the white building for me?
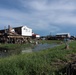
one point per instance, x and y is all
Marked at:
(26, 31)
(63, 34)
(23, 30)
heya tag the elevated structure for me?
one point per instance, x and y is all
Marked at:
(15, 35)
(22, 30)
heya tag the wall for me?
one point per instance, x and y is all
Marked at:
(26, 31)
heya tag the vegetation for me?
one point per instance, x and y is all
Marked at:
(46, 62)
(19, 46)
(14, 46)
(13, 49)
(50, 41)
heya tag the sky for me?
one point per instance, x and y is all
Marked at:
(43, 16)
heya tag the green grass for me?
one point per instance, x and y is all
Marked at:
(14, 46)
(13, 49)
(46, 62)
(50, 41)
(19, 46)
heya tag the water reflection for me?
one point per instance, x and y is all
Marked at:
(39, 47)
(43, 46)
(5, 52)
(27, 50)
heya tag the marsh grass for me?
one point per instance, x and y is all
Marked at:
(47, 62)
(13, 49)
(50, 41)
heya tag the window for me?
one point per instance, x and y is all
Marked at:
(24, 28)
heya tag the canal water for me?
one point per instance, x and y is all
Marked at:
(38, 47)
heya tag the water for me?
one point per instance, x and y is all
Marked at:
(39, 47)
(27, 50)
(3, 53)
(43, 46)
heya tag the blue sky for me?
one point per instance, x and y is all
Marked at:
(43, 16)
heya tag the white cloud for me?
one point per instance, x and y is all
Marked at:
(54, 11)
(50, 5)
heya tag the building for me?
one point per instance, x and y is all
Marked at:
(15, 35)
(23, 30)
(62, 35)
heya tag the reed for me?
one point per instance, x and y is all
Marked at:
(46, 62)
